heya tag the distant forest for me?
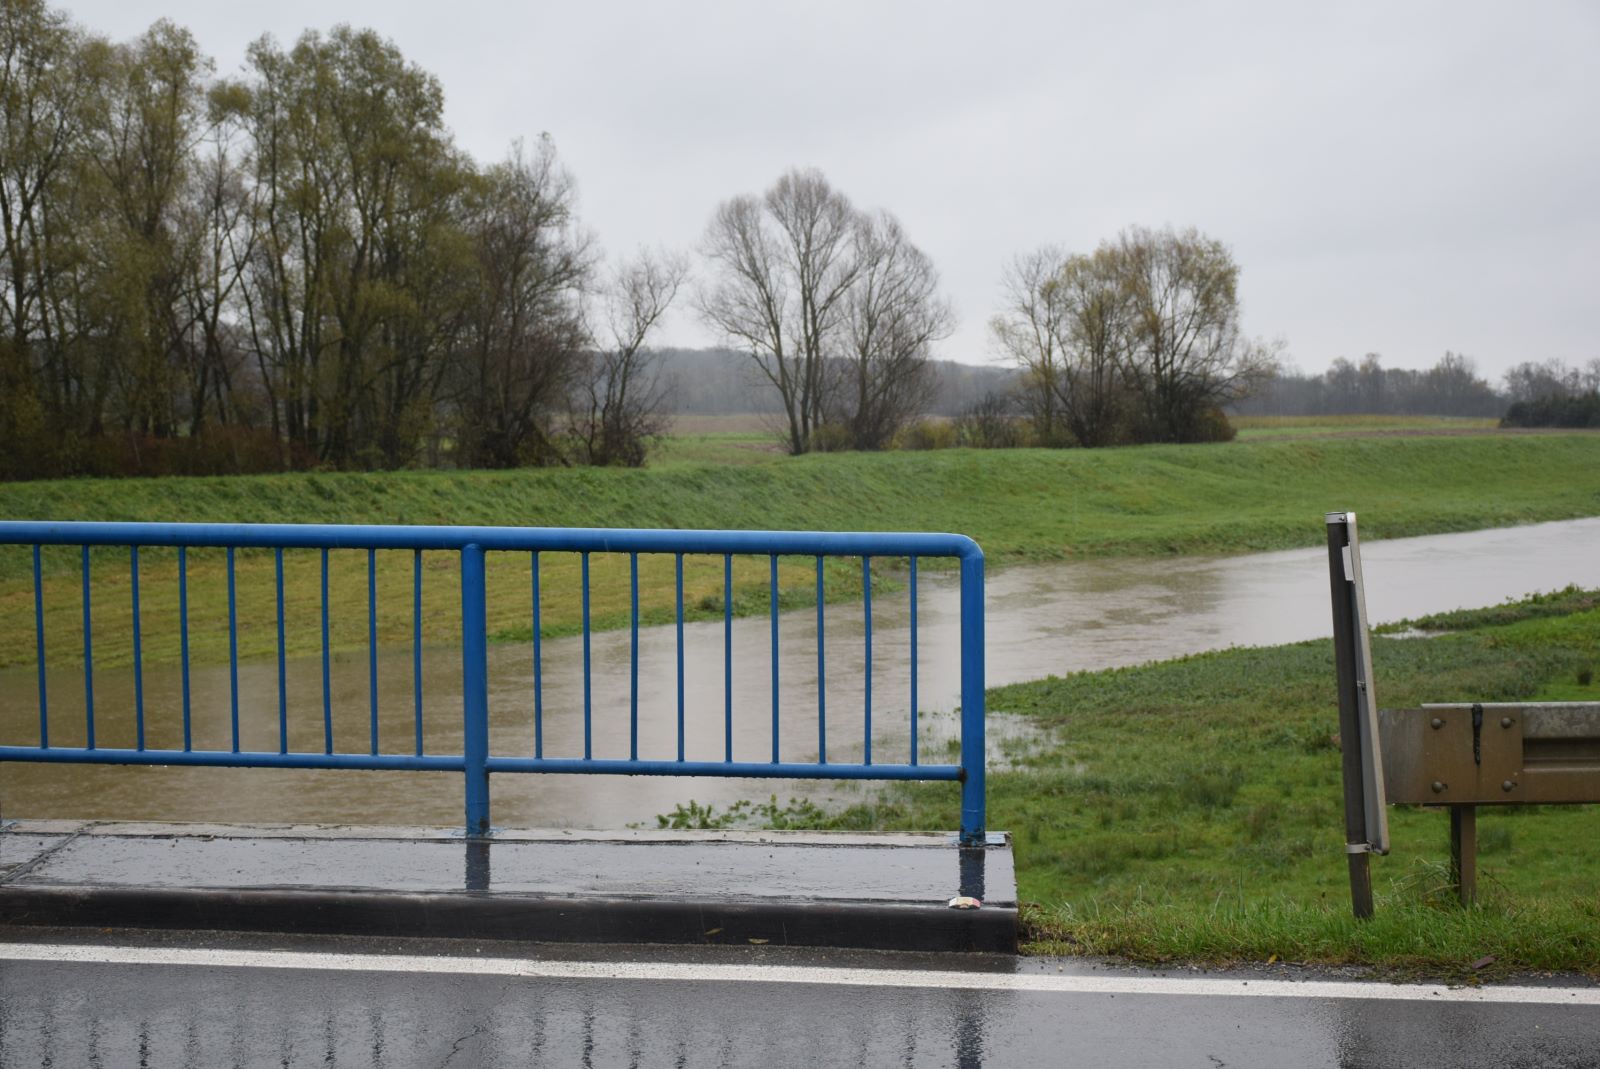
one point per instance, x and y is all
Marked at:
(714, 382)
(724, 381)
(1530, 394)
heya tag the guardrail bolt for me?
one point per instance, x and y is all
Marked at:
(1505, 721)
(1436, 723)
(1507, 785)
(1438, 788)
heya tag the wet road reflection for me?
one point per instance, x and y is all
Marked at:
(96, 1015)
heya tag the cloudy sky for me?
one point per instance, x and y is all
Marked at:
(1393, 178)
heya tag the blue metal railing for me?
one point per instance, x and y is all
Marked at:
(476, 761)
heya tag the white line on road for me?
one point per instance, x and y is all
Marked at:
(793, 974)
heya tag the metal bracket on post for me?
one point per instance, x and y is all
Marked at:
(1366, 820)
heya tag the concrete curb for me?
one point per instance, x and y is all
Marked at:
(466, 915)
(798, 889)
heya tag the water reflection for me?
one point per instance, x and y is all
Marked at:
(202, 1019)
(1041, 619)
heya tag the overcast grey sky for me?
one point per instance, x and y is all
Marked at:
(1398, 178)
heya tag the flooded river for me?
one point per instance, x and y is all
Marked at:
(1041, 619)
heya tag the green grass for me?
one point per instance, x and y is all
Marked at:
(1191, 810)
(1019, 505)
(1254, 427)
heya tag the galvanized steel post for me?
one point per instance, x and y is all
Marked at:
(973, 831)
(475, 689)
(1347, 664)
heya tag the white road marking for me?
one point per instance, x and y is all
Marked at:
(944, 979)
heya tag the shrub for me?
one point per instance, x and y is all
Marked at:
(927, 434)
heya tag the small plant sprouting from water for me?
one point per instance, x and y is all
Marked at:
(798, 813)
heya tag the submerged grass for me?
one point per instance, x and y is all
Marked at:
(1191, 809)
(1019, 505)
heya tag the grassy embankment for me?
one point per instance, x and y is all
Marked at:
(1020, 505)
(1191, 809)
(1261, 427)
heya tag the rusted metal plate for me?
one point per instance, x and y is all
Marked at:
(1515, 754)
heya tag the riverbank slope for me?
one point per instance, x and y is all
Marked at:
(1019, 504)
(1190, 810)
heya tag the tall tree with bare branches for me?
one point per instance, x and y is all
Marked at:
(616, 406)
(783, 267)
(892, 316)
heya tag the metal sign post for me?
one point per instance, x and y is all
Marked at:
(1366, 821)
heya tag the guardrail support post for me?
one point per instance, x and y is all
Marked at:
(474, 689)
(1345, 626)
(1464, 852)
(973, 830)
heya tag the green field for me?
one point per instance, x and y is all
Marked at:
(1191, 809)
(1261, 427)
(1018, 504)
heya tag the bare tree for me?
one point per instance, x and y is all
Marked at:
(1028, 332)
(1553, 378)
(524, 334)
(893, 314)
(784, 265)
(616, 407)
(1187, 354)
(1066, 324)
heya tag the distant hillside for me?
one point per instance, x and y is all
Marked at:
(723, 381)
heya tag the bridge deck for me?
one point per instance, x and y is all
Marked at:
(728, 887)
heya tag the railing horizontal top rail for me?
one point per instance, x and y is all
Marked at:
(554, 539)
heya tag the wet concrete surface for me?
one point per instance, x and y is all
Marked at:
(770, 887)
(238, 1000)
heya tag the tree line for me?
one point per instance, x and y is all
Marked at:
(1452, 387)
(1530, 394)
(1553, 394)
(298, 267)
(293, 267)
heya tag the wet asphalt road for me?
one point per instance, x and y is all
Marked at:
(237, 1002)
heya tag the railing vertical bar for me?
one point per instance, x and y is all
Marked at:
(327, 683)
(233, 655)
(138, 651)
(633, 657)
(822, 674)
(38, 643)
(913, 660)
(972, 720)
(680, 655)
(588, 722)
(774, 600)
(727, 656)
(475, 689)
(866, 673)
(88, 657)
(283, 674)
(372, 645)
(538, 667)
(183, 642)
(416, 643)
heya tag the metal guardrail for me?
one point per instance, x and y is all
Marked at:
(476, 761)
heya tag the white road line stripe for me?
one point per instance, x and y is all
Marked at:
(794, 974)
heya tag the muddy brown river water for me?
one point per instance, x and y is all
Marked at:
(1041, 619)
